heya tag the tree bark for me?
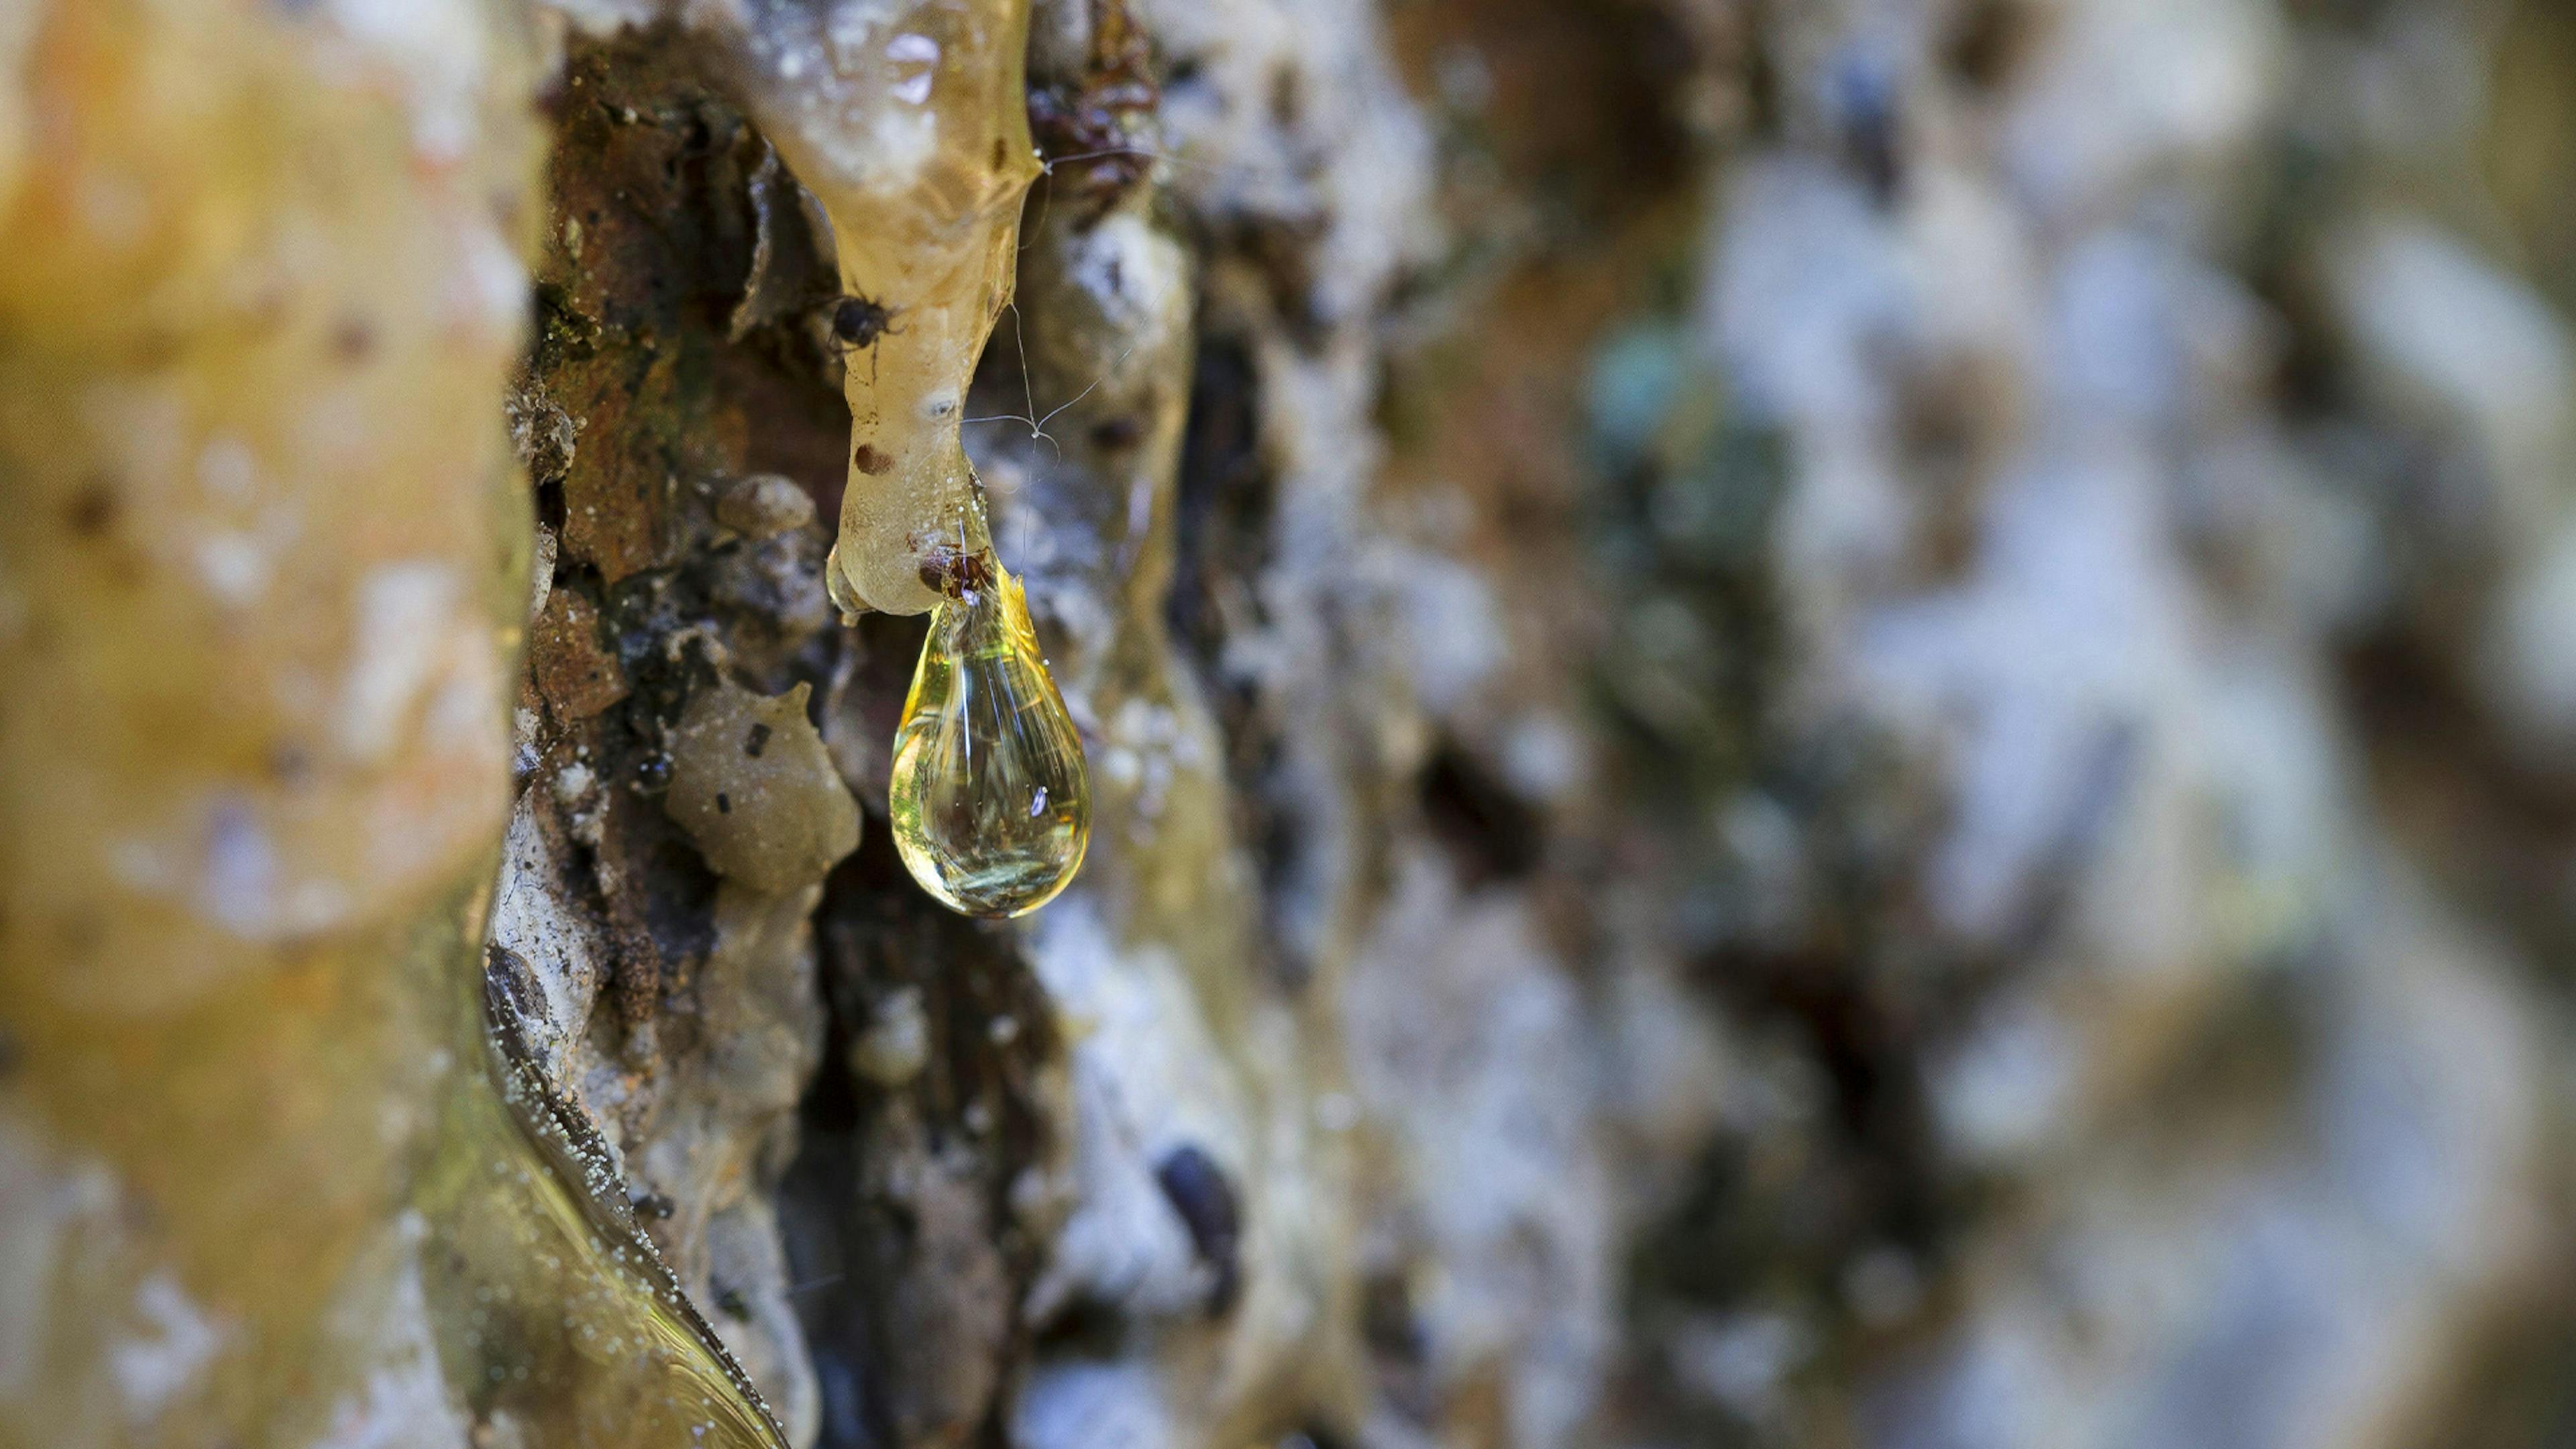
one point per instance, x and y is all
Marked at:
(1822, 724)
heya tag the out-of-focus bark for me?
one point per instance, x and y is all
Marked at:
(264, 570)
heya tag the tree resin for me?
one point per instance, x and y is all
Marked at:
(990, 800)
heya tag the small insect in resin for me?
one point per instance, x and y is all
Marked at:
(857, 323)
(957, 573)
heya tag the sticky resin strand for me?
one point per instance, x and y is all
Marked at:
(261, 577)
(909, 123)
(990, 799)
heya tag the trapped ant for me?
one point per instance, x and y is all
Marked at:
(857, 323)
(956, 573)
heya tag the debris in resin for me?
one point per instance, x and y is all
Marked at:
(753, 786)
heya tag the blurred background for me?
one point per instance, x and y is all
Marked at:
(2030, 552)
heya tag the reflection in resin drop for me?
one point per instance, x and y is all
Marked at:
(990, 801)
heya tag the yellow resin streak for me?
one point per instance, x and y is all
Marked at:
(909, 123)
(262, 564)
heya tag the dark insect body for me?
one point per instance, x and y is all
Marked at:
(956, 574)
(857, 323)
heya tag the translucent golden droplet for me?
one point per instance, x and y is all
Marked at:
(991, 803)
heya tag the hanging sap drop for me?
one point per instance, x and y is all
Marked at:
(990, 800)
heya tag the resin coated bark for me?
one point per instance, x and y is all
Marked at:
(263, 566)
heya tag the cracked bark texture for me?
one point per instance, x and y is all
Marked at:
(1814, 724)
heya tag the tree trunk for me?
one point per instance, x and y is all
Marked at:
(1807, 724)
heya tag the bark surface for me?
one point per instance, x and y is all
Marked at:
(1811, 724)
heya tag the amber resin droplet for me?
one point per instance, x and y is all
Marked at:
(990, 800)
